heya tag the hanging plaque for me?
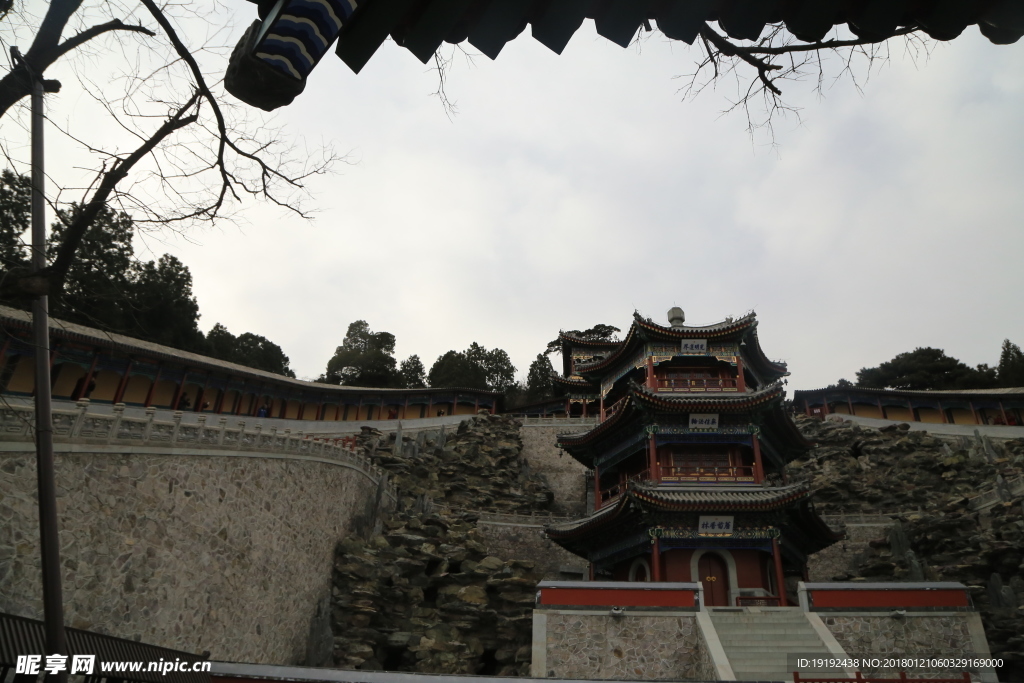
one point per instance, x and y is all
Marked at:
(693, 346)
(704, 421)
(709, 525)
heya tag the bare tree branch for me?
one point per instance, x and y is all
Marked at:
(107, 181)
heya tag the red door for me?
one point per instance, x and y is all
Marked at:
(715, 578)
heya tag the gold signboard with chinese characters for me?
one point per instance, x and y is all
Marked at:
(713, 525)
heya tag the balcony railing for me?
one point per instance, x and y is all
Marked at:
(614, 408)
(611, 493)
(693, 473)
(697, 385)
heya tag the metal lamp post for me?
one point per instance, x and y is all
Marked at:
(53, 605)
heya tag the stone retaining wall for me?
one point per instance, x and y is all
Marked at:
(594, 646)
(524, 537)
(230, 552)
(910, 634)
(840, 560)
(565, 476)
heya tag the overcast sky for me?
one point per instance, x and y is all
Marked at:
(570, 190)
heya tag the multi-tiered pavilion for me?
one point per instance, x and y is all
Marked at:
(688, 462)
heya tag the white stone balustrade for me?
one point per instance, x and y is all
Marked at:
(79, 426)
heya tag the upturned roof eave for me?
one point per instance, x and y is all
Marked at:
(644, 329)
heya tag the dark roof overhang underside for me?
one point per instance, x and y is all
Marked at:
(635, 507)
(488, 25)
(98, 341)
(642, 407)
(578, 385)
(920, 398)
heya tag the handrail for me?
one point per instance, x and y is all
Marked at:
(696, 472)
(81, 426)
(23, 636)
(696, 384)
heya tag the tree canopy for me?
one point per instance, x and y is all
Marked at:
(598, 332)
(365, 358)
(248, 349)
(414, 375)
(538, 379)
(109, 289)
(474, 368)
(926, 368)
(1011, 365)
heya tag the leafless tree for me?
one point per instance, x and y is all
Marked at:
(191, 156)
(760, 69)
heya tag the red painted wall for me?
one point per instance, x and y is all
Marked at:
(616, 597)
(889, 598)
(677, 564)
(748, 568)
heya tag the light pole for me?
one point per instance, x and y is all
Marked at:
(37, 284)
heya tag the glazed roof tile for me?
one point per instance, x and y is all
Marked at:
(724, 403)
(488, 26)
(681, 499)
(915, 393)
(720, 498)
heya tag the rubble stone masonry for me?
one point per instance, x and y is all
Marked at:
(225, 553)
(565, 476)
(627, 647)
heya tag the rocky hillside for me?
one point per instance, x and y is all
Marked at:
(926, 482)
(422, 594)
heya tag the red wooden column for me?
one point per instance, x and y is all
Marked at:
(177, 392)
(758, 465)
(656, 560)
(123, 384)
(977, 420)
(201, 396)
(910, 407)
(942, 413)
(597, 493)
(88, 376)
(741, 382)
(780, 578)
(1002, 409)
(3, 352)
(652, 458)
(602, 407)
(152, 387)
(652, 382)
(219, 406)
(807, 408)
(849, 404)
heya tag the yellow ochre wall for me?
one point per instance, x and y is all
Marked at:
(962, 416)
(65, 379)
(897, 413)
(136, 390)
(931, 415)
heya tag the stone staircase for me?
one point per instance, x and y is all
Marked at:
(757, 643)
